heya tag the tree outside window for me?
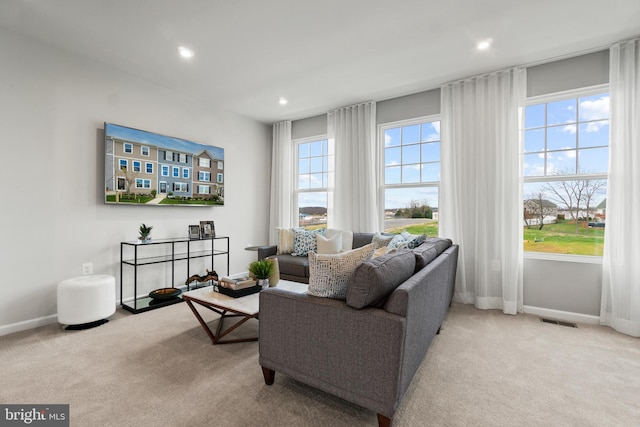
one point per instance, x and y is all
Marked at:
(565, 164)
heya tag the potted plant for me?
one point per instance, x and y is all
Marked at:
(145, 233)
(261, 269)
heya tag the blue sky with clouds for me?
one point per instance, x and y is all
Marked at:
(162, 141)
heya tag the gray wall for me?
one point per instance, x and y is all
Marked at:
(568, 286)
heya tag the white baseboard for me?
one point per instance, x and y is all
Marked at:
(565, 316)
(28, 324)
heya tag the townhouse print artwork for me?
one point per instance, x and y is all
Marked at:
(151, 169)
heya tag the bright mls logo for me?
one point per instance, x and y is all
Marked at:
(37, 415)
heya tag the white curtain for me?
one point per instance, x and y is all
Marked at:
(481, 186)
(353, 130)
(620, 306)
(281, 180)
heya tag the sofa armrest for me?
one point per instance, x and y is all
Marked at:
(267, 251)
(354, 354)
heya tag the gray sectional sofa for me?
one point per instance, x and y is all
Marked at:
(367, 348)
(296, 268)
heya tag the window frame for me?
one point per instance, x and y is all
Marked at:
(295, 213)
(382, 167)
(549, 98)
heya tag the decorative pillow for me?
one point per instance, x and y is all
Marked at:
(304, 241)
(380, 240)
(379, 252)
(411, 240)
(376, 279)
(274, 277)
(326, 245)
(285, 240)
(395, 241)
(346, 236)
(329, 274)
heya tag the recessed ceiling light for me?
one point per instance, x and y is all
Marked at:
(484, 44)
(282, 101)
(185, 52)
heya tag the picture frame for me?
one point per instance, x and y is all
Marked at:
(194, 231)
(207, 230)
(152, 169)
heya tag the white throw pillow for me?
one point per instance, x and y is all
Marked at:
(329, 245)
(285, 240)
(347, 237)
(329, 274)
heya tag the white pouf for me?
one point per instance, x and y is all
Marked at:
(86, 299)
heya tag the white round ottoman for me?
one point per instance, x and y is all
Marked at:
(86, 301)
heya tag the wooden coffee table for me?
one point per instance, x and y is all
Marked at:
(246, 307)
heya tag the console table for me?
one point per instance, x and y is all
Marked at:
(135, 254)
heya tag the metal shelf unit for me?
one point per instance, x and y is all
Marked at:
(132, 255)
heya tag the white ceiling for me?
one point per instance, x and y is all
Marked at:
(318, 54)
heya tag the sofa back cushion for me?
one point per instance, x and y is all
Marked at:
(429, 250)
(361, 239)
(329, 274)
(375, 279)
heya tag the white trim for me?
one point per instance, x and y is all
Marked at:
(565, 316)
(583, 259)
(28, 324)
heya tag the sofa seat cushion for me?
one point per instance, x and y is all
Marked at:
(293, 265)
(375, 279)
(429, 250)
(329, 274)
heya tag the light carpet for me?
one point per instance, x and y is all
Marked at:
(485, 369)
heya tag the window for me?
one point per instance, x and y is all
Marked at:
(144, 150)
(168, 155)
(565, 163)
(176, 172)
(165, 170)
(180, 186)
(220, 178)
(185, 173)
(204, 176)
(137, 166)
(182, 158)
(143, 183)
(204, 163)
(204, 189)
(149, 167)
(123, 164)
(128, 148)
(220, 165)
(315, 160)
(411, 175)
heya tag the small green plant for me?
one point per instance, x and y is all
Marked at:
(262, 269)
(145, 231)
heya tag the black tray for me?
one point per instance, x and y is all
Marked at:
(240, 292)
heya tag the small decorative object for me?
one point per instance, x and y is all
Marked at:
(165, 293)
(145, 233)
(207, 230)
(274, 277)
(211, 275)
(194, 231)
(262, 269)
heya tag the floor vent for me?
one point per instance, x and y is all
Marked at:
(558, 322)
